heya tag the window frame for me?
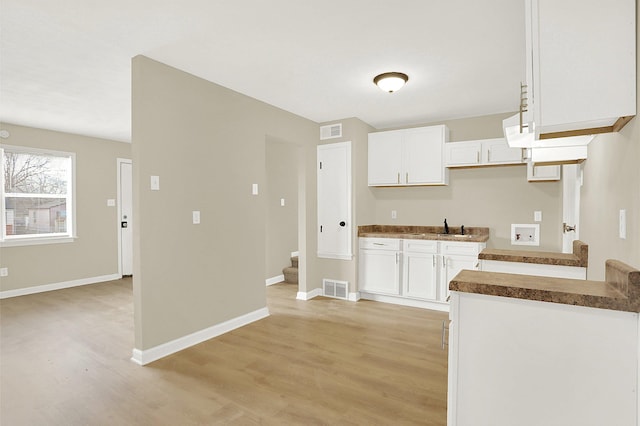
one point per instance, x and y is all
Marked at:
(37, 239)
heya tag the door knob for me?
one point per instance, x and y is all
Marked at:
(343, 223)
(567, 228)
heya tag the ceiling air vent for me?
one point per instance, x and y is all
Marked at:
(331, 131)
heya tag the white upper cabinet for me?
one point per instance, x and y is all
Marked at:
(408, 157)
(581, 66)
(481, 153)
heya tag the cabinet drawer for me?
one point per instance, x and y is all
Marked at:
(420, 246)
(467, 249)
(380, 243)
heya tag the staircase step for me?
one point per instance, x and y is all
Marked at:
(291, 275)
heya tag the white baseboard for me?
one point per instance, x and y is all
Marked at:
(424, 304)
(57, 286)
(354, 297)
(295, 253)
(274, 280)
(309, 295)
(143, 357)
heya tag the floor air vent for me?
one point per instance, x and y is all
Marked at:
(337, 289)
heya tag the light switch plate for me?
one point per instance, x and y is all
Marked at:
(282, 202)
(155, 183)
(111, 202)
(623, 224)
(254, 189)
(394, 214)
(196, 217)
(537, 216)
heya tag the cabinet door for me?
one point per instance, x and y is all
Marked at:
(567, 79)
(498, 151)
(462, 153)
(423, 156)
(419, 275)
(379, 271)
(385, 158)
(451, 266)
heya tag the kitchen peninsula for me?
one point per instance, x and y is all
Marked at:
(532, 350)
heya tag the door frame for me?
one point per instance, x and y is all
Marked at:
(571, 187)
(119, 162)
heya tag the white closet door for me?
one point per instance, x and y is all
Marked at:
(334, 201)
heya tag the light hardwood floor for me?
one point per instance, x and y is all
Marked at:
(65, 360)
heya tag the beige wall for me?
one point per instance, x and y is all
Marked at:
(282, 221)
(95, 252)
(612, 183)
(493, 197)
(207, 144)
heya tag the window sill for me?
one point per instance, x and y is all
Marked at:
(36, 241)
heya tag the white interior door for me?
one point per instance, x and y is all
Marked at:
(571, 184)
(125, 216)
(334, 201)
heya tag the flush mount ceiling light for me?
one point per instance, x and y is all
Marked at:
(390, 81)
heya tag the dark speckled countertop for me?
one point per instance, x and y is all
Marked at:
(619, 291)
(579, 257)
(471, 234)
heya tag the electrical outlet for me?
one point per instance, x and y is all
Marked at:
(196, 217)
(394, 214)
(537, 216)
(4, 272)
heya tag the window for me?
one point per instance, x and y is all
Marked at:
(37, 196)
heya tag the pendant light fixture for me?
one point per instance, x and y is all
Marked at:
(390, 81)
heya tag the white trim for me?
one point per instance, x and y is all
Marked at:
(295, 253)
(335, 256)
(57, 286)
(309, 295)
(414, 303)
(354, 297)
(36, 241)
(144, 357)
(119, 162)
(274, 280)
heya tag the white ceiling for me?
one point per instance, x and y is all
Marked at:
(66, 64)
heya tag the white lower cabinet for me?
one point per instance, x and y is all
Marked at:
(413, 270)
(379, 266)
(526, 363)
(419, 269)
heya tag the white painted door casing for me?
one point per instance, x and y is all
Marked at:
(334, 201)
(125, 216)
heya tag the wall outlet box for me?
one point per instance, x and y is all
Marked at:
(254, 189)
(394, 214)
(525, 234)
(111, 202)
(196, 217)
(537, 216)
(4, 272)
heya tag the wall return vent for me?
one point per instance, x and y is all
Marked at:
(331, 131)
(336, 289)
